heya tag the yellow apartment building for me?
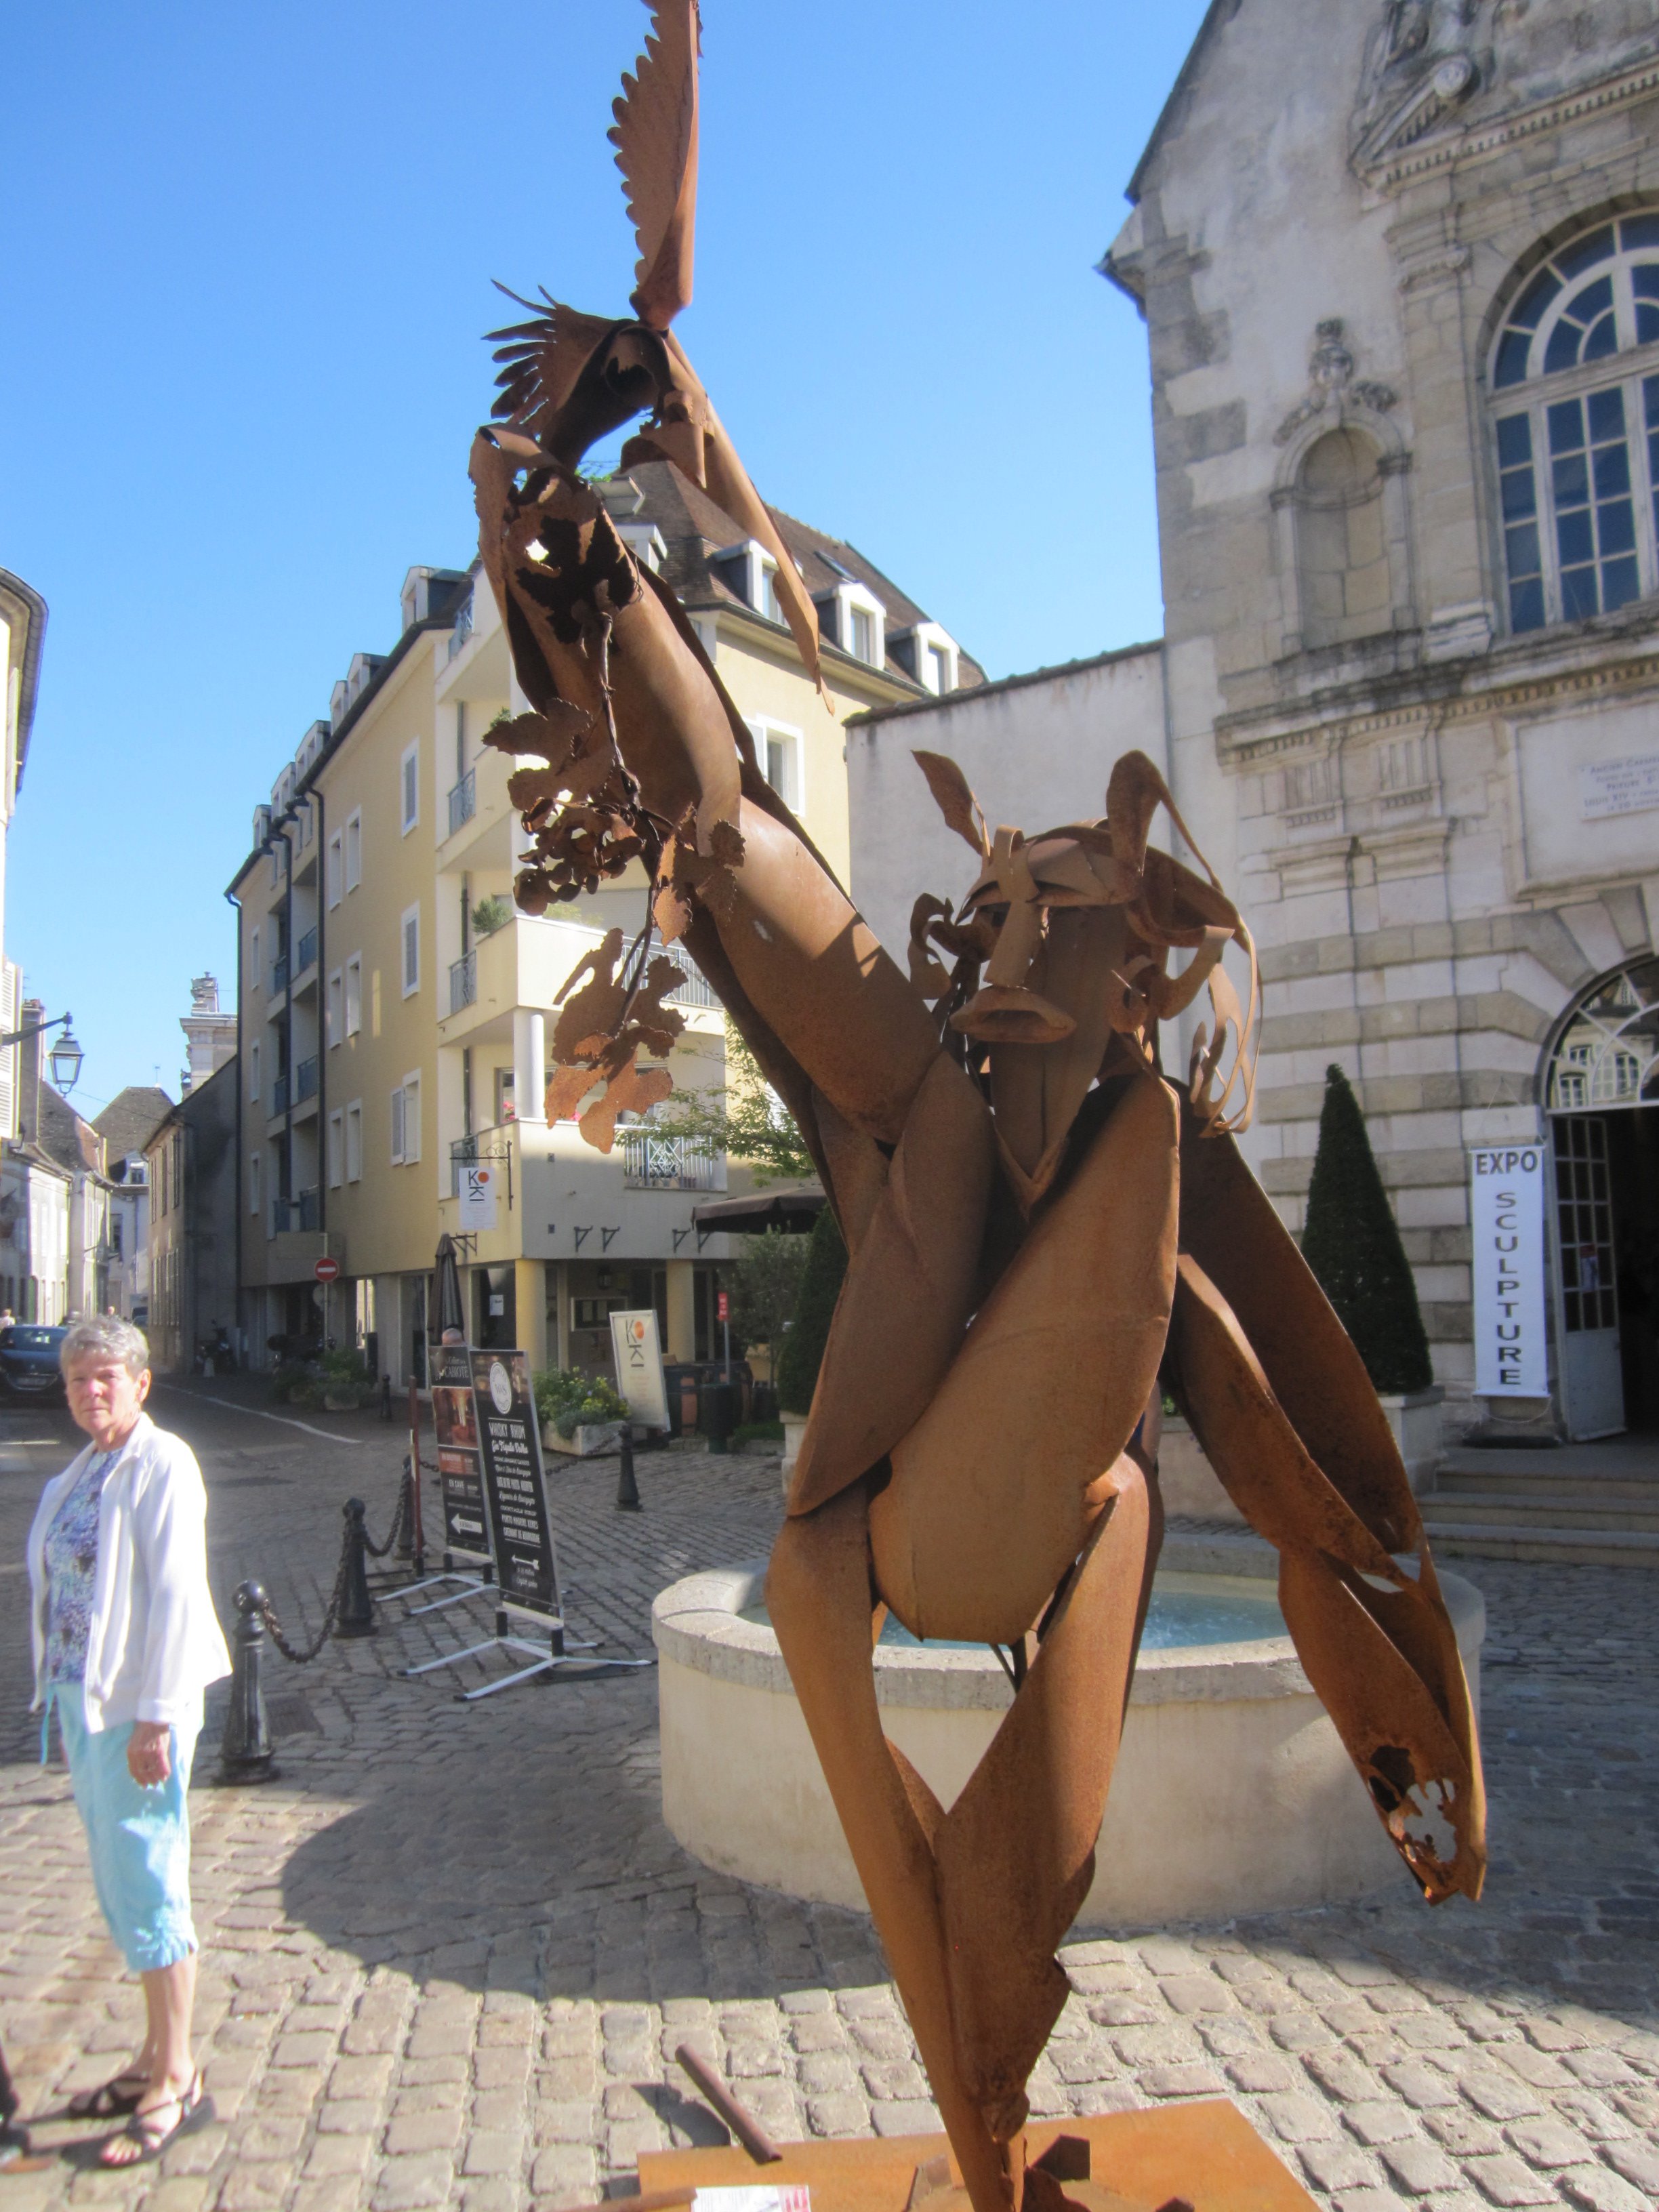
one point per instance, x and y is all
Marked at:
(397, 1002)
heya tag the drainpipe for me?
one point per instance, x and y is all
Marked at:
(316, 797)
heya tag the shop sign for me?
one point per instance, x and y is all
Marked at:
(638, 1366)
(1506, 1217)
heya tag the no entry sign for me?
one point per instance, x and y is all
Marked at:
(327, 1271)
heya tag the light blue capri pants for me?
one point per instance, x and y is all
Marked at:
(139, 1838)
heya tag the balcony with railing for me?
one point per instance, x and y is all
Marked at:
(463, 981)
(279, 1096)
(303, 1212)
(462, 629)
(307, 956)
(463, 801)
(279, 974)
(655, 1162)
(305, 1081)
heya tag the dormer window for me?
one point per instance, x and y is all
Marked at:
(749, 569)
(929, 655)
(853, 618)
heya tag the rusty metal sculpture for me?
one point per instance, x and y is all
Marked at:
(1033, 1212)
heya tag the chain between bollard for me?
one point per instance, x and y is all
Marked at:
(400, 1519)
(267, 1612)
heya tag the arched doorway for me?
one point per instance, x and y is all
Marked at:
(1601, 1092)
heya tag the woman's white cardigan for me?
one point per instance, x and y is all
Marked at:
(155, 1642)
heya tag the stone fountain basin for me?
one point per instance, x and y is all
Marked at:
(1232, 1792)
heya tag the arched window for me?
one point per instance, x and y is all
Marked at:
(1341, 540)
(1575, 378)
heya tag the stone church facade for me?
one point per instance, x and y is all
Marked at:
(1399, 268)
(1399, 263)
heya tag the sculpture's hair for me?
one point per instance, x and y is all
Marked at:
(107, 1336)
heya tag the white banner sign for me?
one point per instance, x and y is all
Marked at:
(1621, 787)
(638, 1366)
(477, 1192)
(1506, 1215)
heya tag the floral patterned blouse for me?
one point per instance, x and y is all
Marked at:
(71, 1571)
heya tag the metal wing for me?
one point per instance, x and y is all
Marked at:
(541, 360)
(656, 141)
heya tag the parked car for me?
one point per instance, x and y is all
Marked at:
(29, 1361)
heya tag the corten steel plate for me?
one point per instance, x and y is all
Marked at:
(1205, 2151)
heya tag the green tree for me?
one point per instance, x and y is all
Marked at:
(766, 1287)
(1352, 1244)
(803, 1347)
(743, 1117)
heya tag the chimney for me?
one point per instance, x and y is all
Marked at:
(29, 1070)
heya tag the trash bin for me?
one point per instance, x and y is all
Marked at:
(717, 1414)
(680, 1382)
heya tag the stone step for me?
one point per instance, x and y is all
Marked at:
(1578, 1547)
(1538, 1482)
(1506, 1508)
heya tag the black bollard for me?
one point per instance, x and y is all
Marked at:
(357, 1606)
(246, 1753)
(627, 1491)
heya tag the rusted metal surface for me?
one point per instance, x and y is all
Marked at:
(1036, 1211)
(737, 2116)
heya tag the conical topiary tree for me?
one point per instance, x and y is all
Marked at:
(798, 1369)
(1352, 1244)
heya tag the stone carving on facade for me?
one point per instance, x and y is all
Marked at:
(1332, 390)
(1447, 77)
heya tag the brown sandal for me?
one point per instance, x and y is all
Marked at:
(112, 2100)
(195, 2108)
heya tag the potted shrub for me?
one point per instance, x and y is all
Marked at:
(346, 1382)
(1351, 1243)
(490, 914)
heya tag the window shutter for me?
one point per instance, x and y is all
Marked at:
(398, 1126)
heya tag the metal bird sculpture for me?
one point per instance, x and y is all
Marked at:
(1033, 1210)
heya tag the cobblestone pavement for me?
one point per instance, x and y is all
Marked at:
(448, 1954)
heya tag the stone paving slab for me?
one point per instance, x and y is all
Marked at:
(449, 1952)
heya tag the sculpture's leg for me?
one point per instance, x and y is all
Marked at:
(1015, 1852)
(1373, 1633)
(819, 1594)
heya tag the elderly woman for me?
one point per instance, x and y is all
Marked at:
(126, 1642)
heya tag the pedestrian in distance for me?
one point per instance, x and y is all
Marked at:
(125, 1642)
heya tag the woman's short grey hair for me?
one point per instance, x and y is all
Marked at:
(106, 1336)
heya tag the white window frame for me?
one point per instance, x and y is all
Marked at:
(336, 868)
(256, 980)
(253, 1182)
(334, 1015)
(408, 787)
(412, 1117)
(406, 1121)
(336, 1148)
(411, 982)
(354, 1141)
(849, 596)
(253, 1073)
(767, 732)
(353, 994)
(354, 848)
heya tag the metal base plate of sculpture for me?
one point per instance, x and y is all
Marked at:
(1032, 1207)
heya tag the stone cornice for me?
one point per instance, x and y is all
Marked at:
(1256, 734)
(1425, 155)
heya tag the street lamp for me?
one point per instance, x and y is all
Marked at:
(65, 1057)
(64, 1060)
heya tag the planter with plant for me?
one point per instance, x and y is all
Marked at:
(579, 1413)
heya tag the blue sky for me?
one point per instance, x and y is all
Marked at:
(248, 262)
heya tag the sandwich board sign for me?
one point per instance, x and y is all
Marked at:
(639, 1367)
(515, 1483)
(455, 1420)
(1506, 1223)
